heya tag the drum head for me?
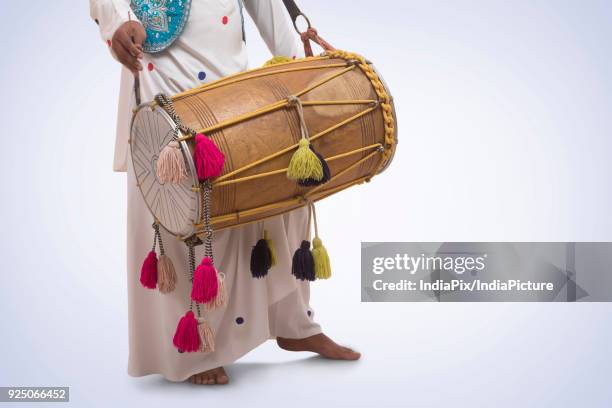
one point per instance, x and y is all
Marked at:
(176, 206)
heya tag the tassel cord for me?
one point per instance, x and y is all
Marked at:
(310, 218)
(165, 102)
(314, 218)
(208, 232)
(295, 101)
(192, 266)
(156, 238)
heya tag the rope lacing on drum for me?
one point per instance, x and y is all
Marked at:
(293, 100)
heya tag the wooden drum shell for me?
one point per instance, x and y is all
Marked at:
(355, 150)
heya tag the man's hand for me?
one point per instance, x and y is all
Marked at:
(128, 52)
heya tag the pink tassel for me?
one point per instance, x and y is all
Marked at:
(148, 272)
(205, 284)
(207, 157)
(187, 336)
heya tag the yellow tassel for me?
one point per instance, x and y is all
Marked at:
(304, 163)
(271, 247)
(279, 59)
(166, 280)
(321, 259)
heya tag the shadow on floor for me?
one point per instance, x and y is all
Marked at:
(240, 372)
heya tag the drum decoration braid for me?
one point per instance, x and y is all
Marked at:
(207, 284)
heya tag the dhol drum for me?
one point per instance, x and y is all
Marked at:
(337, 101)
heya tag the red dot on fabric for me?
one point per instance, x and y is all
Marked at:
(109, 42)
(150, 66)
(224, 20)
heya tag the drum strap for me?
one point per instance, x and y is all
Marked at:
(310, 34)
(293, 9)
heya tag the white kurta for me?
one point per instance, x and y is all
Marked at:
(210, 47)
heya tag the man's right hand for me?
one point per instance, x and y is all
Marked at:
(128, 52)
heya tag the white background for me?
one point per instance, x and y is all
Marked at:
(504, 117)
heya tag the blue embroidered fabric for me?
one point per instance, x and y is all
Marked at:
(163, 20)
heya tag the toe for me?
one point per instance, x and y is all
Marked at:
(350, 354)
(222, 377)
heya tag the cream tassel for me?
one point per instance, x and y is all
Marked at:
(207, 340)
(171, 164)
(221, 298)
(166, 275)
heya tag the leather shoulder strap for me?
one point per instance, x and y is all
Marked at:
(293, 9)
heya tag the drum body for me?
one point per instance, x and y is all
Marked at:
(348, 113)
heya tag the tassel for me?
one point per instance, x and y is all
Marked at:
(186, 338)
(271, 248)
(171, 165)
(278, 59)
(207, 157)
(261, 259)
(302, 266)
(321, 259)
(310, 182)
(220, 299)
(148, 272)
(304, 163)
(205, 283)
(166, 279)
(207, 340)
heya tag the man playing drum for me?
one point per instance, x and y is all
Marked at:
(187, 43)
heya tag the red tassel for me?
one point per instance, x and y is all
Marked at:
(207, 157)
(187, 337)
(148, 272)
(205, 284)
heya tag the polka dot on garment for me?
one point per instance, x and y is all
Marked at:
(201, 75)
(239, 320)
(150, 66)
(224, 20)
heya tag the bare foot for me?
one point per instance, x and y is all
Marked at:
(320, 344)
(214, 376)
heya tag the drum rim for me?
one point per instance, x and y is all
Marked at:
(391, 100)
(188, 159)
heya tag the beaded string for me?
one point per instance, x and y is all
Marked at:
(208, 231)
(192, 266)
